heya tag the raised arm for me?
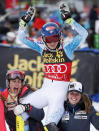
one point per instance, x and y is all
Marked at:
(81, 31)
(22, 33)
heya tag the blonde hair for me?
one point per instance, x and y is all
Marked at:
(87, 102)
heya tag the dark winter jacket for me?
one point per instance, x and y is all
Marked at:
(76, 119)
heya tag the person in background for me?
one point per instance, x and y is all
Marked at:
(67, 34)
(79, 112)
(10, 38)
(74, 13)
(16, 89)
(93, 16)
(36, 25)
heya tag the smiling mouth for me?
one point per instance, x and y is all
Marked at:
(74, 100)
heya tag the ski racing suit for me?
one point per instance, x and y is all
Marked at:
(57, 67)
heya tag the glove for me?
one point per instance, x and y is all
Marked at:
(64, 11)
(19, 109)
(27, 17)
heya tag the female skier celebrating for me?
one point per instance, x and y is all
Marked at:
(57, 58)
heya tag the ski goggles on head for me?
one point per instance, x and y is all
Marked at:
(53, 38)
(16, 74)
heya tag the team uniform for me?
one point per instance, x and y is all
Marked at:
(75, 118)
(57, 65)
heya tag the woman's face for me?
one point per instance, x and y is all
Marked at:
(74, 97)
(15, 85)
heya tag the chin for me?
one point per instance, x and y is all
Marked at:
(74, 103)
(52, 48)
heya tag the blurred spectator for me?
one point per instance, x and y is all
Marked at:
(37, 24)
(26, 6)
(54, 17)
(2, 9)
(84, 21)
(93, 16)
(5, 27)
(75, 14)
(67, 34)
(10, 38)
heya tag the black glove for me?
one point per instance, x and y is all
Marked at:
(27, 17)
(27, 107)
(64, 11)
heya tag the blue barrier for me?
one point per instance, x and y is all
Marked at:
(89, 50)
(10, 45)
(78, 50)
(94, 97)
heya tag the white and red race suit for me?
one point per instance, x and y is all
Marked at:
(57, 73)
